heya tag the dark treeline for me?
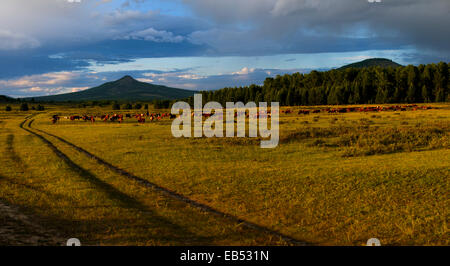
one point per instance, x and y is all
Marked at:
(408, 84)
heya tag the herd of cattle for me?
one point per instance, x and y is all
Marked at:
(412, 107)
(141, 118)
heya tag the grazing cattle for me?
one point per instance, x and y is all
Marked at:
(172, 116)
(140, 118)
(55, 119)
(303, 112)
(413, 107)
(75, 117)
(128, 115)
(116, 117)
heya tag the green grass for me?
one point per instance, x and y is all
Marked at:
(334, 179)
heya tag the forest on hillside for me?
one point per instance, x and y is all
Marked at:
(370, 85)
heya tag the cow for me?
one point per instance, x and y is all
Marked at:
(141, 119)
(55, 119)
(304, 112)
(116, 117)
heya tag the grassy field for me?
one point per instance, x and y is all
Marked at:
(334, 179)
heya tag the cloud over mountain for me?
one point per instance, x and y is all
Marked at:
(39, 37)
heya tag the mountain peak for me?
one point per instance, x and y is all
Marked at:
(126, 81)
(127, 78)
(125, 89)
(372, 62)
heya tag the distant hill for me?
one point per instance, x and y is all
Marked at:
(381, 62)
(6, 99)
(126, 88)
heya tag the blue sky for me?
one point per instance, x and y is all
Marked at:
(57, 46)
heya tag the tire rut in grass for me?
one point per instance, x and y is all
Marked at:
(17, 163)
(12, 154)
(177, 195)
(119, 197)
(18, 229)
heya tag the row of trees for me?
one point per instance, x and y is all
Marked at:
(408, 84)
(128, 106)
(158, 104)
(24, 107)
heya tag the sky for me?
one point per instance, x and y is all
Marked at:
(58, 46)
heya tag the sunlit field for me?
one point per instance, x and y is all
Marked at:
(334, 179)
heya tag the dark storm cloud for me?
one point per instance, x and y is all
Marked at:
(88, 31)
(18, 65)
(307, 24)
(40, 36)
(43, 41)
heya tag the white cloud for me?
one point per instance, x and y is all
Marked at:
(145, 80)
(77, 89)
(190, 76)
(39, 90)
(151, 34)
(34, 89)
(244, 71)
(51, 91)
(15, 41)
(37, 82)
(170, 75)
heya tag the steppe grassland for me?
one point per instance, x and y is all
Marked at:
(334, 179)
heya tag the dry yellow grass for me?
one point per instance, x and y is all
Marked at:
(334, 179)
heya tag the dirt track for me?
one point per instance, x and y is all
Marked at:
(18, 229)
(146, 183)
